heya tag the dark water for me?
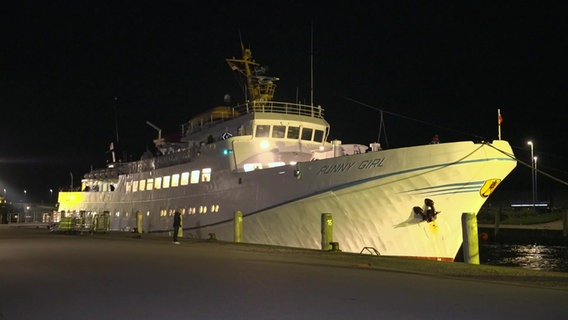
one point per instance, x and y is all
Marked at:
(528, 256)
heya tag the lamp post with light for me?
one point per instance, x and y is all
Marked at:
(535, 181)
(530, 143)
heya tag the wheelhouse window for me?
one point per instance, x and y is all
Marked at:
(307, 134)
(150, 184)
(318, 135)
(278, 131)
(142, 185)
(262, 131)
(134, 186)
(293, 133)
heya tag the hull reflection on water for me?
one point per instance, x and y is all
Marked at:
(528, 256)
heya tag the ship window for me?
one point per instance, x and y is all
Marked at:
(128, 186)
(262, 131)
(134, 186)
(278, 131)
(166, 182)
(150, 184)
(158, 183)
(206, 175)
(175, 180)
(252, 166)
(318, 136)
(194, 176)
(184, 178)
(293, 133)
(307, 134)
(276, 164)
(142, 185)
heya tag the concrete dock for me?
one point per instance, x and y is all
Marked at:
(46, 275)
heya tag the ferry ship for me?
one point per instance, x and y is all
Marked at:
(271, 166)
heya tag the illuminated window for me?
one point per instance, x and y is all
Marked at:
(158, 183)
(276, 164)
(175, 180)
(150, 184)
(252, 166)
(194, 176)
(307, 134)
(185, 178)
(134, 186)
(262, 131)
(318, 136)
(278, 131)
(142, 185)
(128, 186)
(206, 175)
(166, 182)
(293, 133)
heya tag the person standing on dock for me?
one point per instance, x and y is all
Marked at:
(177, 225)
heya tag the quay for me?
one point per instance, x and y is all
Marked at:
(115, 275)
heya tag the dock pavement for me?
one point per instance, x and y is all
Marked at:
(116, 275)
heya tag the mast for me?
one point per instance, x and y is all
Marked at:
(259, 87)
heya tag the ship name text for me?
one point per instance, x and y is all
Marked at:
(346, 166)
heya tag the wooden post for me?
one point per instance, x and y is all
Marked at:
(470, 239)
(238, 226)
(326, 231)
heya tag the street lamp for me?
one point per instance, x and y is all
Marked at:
(535, 182)
(530, 143)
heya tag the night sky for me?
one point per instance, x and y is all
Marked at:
(77, 75)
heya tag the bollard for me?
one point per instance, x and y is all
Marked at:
(139, 218)
(238, 226)
(470, 240)
(326, 231)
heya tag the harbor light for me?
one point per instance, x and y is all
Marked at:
(530, 143)
(535, 180)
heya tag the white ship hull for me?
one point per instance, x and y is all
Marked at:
(271, 161)
(370, 197)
